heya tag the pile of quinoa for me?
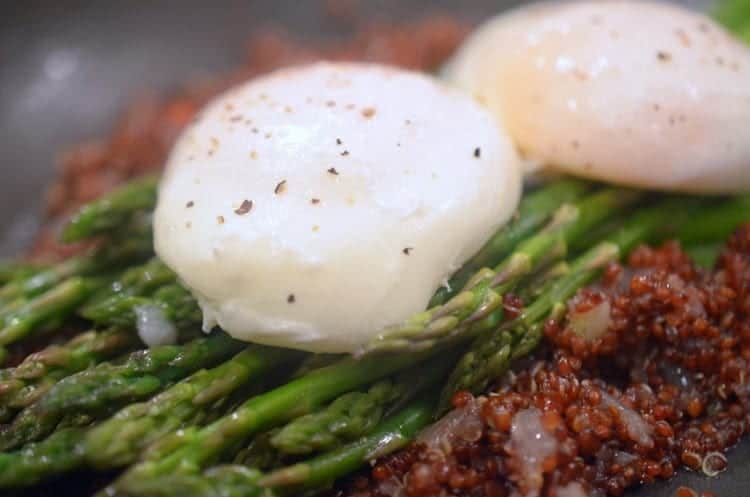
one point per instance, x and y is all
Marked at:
(663, 387)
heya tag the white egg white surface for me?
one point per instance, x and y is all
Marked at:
(314, 206)
(640, 93)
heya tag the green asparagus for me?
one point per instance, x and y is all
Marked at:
(314, 474)
(197, 449)
(177, 304)
(108, 386)
(139, 280)
(136, 245)
(220, 481)
(704, 255)
(17, 270)
(735, 15)
(534, 210)
(119, 440)
(24, 384)
(56, 455)
(323, 470)
(355, 414)
(58, 302)
(112, 211)
(473, 309)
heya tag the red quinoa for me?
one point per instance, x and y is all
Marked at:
(663, 387)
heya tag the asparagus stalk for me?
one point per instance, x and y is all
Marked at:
(220, 481)
(177, 304)
(323, 470)
(119, 440)
(57, 303)
(314, 474)
(17, 270)
(197, 449)
(55, 455)
(735, 15)
(24, 384)
(534, 210)
(316, 361)
(112, 211)
(491, 353)
(108, 386)
(135, 245)
(704, 255)
(714, 224)
(138, 280)
(473, 309)
(356, 414)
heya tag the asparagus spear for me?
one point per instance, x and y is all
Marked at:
(109, 386)
(55, 455)
(735, 15)
(136, 244)
(323, 470)
(177, 304)
(119, 440)
(356, 414)
(314, 474)
(464, 314)
(714, 224)
(197, 449)
(113, 210)
(24, 384)
(221, 481)
(35, 283)
(534, 210)
(58, 302)
(704, 255)
(491, 353)
(138, 280)
(17, 270)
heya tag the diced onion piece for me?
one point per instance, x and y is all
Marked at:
(593, 323)
(154, 328)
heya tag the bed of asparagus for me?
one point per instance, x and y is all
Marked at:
(211, 416)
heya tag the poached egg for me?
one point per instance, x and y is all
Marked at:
(314, 206)
(638, 93)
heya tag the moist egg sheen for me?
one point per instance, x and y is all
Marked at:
(312, 207)
(639, 93)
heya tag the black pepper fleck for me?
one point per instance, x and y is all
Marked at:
(314, 201)
(291, 299)
(244, 208)
(663, 56)
(338, 141)
(344, 153)
(477, 152)
(332, 170)
(280, 187)
(407, 250)
(190, 204)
